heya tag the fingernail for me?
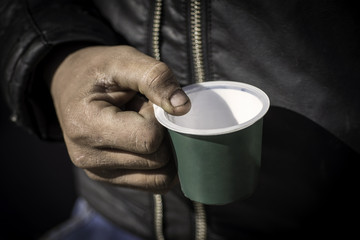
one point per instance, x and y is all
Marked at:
(179, 98)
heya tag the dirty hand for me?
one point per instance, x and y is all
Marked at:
(109, 129)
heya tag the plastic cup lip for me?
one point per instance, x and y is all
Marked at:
(162, 118)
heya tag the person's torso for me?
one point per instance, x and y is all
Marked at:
(303, 55)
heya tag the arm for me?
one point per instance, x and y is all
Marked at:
(30, 31)
(109, 130)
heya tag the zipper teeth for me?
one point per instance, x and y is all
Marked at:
(158, 217)
(200, 221)
(197, 48)
(158, 203)
(200, 215)
(156, 30)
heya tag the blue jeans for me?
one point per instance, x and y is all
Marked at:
(86, 224)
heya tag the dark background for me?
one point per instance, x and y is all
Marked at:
(36, 182)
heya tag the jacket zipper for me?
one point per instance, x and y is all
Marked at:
(196, 37)
(200, 221)
(197, 51)
(158, 217)
(196, 33)
(156, 30)
(158, 202)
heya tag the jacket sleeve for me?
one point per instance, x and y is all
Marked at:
(29, 31)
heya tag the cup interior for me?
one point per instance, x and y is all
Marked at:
(217, 108)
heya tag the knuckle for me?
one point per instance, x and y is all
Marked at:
(72, 125)
(97, 176)
(162, 157)
(77, 125)
(159, 74)
(80, 160)
(163, 182)
(148, 141)
(83, 158)
(157, 161)
(126, 48)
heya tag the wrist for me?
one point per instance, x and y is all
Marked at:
(56, 56)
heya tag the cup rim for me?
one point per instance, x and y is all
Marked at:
(162, 118)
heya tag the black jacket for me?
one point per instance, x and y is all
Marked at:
(304, 54)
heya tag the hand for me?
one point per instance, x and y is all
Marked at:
(109, 129)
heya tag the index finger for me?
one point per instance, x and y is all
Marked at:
(139, 72)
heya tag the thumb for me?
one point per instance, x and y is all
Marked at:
(155, 80)
(160, 86)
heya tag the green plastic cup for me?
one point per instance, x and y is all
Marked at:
(218, 142)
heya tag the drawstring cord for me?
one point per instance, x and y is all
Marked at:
(200, 216)
(158, 203)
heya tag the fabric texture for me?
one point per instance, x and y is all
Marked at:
(304, 54)
(85, 223)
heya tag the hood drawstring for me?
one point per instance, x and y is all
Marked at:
(200, 215)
